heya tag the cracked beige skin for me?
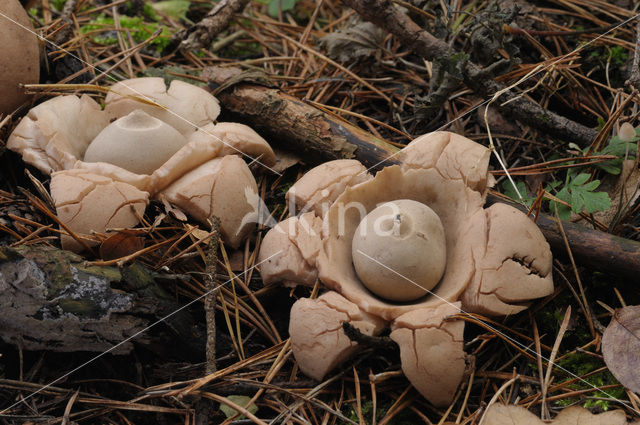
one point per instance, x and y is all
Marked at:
(197, 169)
(497, 261)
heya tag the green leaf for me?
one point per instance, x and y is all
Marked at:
(580, 194)
(619, 148)
(276, 5)
(580, 179)
(564, 212)
(597, 201)
(510, 191)
(240, 400)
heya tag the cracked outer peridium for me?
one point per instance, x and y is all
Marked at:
(318, 341)
(513, 264)
(223, 187)
(88, 203)
(453, 155)
(49, 137)
(183, 106)
(431, 351)
(289, 251)
(237, 139)
(319, 187)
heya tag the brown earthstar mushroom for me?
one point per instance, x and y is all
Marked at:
(496, 261)
(139, 153)
(19, 56)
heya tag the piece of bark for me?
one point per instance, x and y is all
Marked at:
(320, 137)
(384, 14)
(201, 35)
(50, 300)
(314, 135)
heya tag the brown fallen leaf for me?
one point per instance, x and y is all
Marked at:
(509, 414)
(623, 190)
(353, 42)
(285, 160)
(502, 414)
(122, 243)
(621, 344)
(576, 415)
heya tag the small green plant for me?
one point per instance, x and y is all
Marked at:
(581, 195)
(140, 30)
(577, 190)
(58, 4)
(510, 191)
(275, 6)
(623, 149)
(176, 9)
(618, 55)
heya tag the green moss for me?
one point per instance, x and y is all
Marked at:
(58, 4)
(581, 364)
(140, 30)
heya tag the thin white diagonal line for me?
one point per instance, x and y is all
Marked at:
(491, 98)
(524, 347)
(142, 95)
(22, 399)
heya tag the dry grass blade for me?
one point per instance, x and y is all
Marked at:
(552, 357)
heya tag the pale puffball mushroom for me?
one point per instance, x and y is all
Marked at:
(320, 186)
(137, 142)
(627, 132)
(183, 106)
(19, 55)
(399, 250)
(223, 187)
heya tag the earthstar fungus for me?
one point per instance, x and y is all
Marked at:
(493, 261)
(161, 143)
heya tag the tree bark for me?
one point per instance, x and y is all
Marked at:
(201, 35)
(50, 300)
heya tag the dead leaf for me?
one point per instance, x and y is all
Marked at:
(173, 211)
(509, 414)
(122, 243)
(502, 414)
(354, 42)
(576, 415)
(623, 191)
(285, 160)
(620, 347)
